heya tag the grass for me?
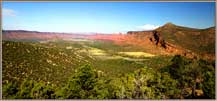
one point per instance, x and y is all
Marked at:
(110, 47)
(95, 51)
(137, 54)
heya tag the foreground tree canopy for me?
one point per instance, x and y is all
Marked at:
(183, 78)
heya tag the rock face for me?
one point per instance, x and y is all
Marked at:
(155, 38)
(158, 40)
(151, 36)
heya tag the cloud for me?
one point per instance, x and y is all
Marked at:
(8, 12)
(147, 27)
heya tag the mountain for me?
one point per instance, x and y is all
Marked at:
(23, 35)
(198, 40)
(169, 39)
(176, 39)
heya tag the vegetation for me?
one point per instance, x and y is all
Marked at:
(145, 83)
(193, 76)
(52, 62)
(52, 71)
(196, 40)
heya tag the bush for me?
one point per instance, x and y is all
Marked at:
(145, 83)
(25, 89)
(42, 91)
(85, 83)
(28, 90)
(9, 90)
(193, 74)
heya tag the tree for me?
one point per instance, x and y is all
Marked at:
(209, 84)
(42, 91)
(208, 74)
(10, 90)
(83, 84)
(193, 74)
(25, 89)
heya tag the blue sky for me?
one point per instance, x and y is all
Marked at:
(105, 17)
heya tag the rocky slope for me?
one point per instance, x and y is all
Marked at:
(186, 41)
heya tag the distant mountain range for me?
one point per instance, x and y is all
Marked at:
(167, 39)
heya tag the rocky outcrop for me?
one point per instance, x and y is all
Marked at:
(158, 40)
(155, 38)
(152, 36)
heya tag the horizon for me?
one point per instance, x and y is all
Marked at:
(89, 33)
(105, 17)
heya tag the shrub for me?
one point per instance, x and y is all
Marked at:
(9, 90)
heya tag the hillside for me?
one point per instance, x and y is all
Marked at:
(55, 61)
(59, 70)
(198, 40)
(186, 41)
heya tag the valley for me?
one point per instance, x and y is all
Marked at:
(168, 62)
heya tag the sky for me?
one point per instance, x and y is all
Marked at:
(105, 17)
